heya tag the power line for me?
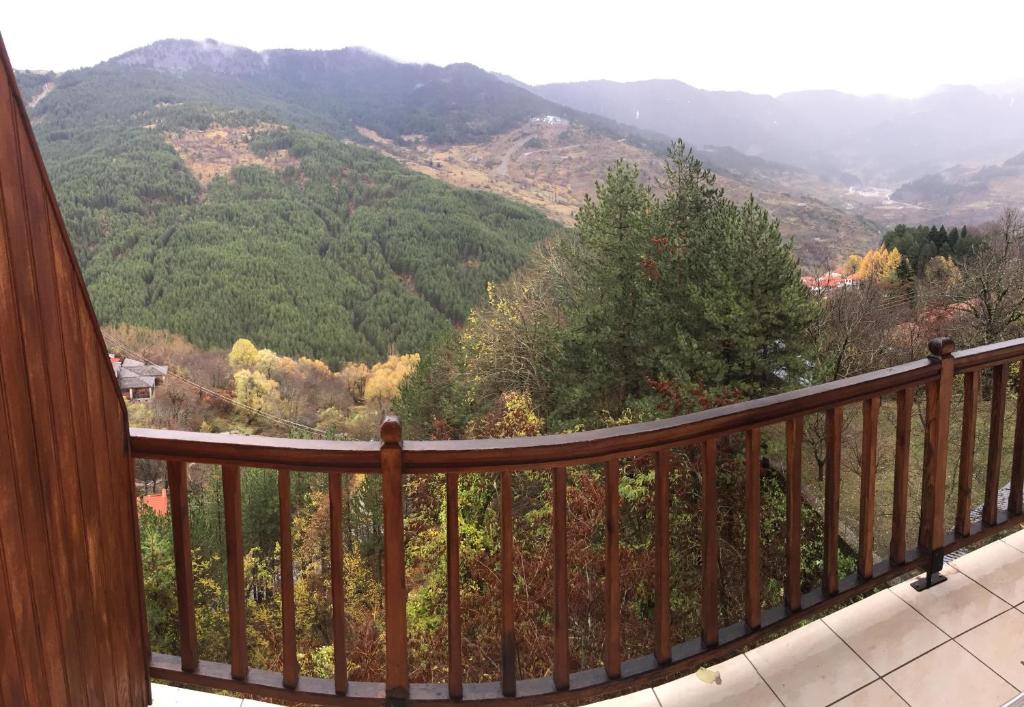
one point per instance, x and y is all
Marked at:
(209, 391)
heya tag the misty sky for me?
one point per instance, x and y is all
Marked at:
(899, 47)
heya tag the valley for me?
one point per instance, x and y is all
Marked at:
(551, 164)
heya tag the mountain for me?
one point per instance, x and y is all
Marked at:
(197, 204)
(457, 123)
(337, 91)
(963, 194)
(881, 141)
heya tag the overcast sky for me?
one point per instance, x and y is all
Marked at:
(898, 47)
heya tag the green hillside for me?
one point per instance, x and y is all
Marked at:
(341, 254)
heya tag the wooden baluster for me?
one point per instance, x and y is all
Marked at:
(794, 508)
(508, 610)
(613, 586)
(1016, 504)
(901, 477)
(289, 658)
(236, 579)
(709, 538)
(662, 619)
(336, 498)
(753, 527)
(395, 618)
(561, 671)
(967, 443)
(868, 467)
(990, 511)
(177, 486)
(833, 452)
(454, 597)
(933, 491)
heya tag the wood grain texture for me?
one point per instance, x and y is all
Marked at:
(709, 545)
(508, 605)
(794, 506)
(901, 477)
(235, 557)
(289, 657)
(1016, 505)
(395, 619)
(452, 544)
(936, 447)
(561, 559)
(833, 461)
(997, 415)
(67, 516)
(336, 500)
(968, 441)
(868, 469)
(177, 486)
(752, 489)
(662, 619)
(613, 577)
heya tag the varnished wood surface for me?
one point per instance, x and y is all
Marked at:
(935, 375)
(70, 568)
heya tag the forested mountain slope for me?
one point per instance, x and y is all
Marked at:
(457, 123)
(295, 239)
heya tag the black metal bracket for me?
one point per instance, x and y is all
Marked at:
(933, 574)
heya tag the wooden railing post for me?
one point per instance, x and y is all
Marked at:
(396, 632)
(933, 488)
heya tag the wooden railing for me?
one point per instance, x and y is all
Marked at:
(392, 459)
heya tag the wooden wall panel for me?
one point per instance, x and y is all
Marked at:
(72, 628)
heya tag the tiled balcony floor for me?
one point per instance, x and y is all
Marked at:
(959, 643)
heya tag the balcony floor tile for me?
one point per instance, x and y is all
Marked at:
(885, 631)
(957, 605)
(810, 666)
(877, 694)
(1016, 540)
(739, 684)
(167, 696)
(949, 675)
(999, 644)
(999, 567)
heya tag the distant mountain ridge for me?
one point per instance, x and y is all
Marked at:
(341, 89)
(823, 162)
(878, 139)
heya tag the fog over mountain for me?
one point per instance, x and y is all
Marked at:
(878, 140)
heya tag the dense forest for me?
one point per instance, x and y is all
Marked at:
(329, 250)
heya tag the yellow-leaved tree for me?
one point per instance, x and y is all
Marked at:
(879, 265)
(243, 355)
(255, 390)
(384, 379)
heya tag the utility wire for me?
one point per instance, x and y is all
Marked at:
(209, 391)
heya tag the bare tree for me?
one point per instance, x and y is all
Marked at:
(989, 296)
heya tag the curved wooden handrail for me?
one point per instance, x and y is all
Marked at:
(541, 451)
(255, 450)
(989, 355)
(394, 458)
